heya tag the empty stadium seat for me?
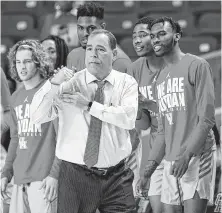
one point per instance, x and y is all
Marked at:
(127, 46)
(18, 26)
(198, 45)
(210, 23)
(65, 27)
(186, 21)
(6, 44)
(121, 24)
(120, 6)
(35, 8)
(162, 6)
(205, 6)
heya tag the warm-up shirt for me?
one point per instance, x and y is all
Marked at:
(76, 58)
(31, 154)
(5, 93)
(118, 115)
(185, 95)
(146, 80)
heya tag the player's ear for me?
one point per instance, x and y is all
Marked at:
(177, 37)
(114, 54)
(103, 25)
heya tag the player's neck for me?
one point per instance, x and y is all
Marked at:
(33, 82)
(155, 63)
(174, 56)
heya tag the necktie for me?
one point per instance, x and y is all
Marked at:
(93, 140)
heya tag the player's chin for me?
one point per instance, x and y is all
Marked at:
(141, 54)
(159, 53)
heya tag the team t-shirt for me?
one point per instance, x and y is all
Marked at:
(32, 147)
(185, 97)
(146, 80)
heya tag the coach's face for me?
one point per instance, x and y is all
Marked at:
(85, 26)
(99, 56)
(141, 40)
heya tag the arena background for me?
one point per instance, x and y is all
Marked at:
(200, 20)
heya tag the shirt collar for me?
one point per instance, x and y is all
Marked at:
(90, 78)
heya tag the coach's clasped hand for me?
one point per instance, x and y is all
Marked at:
(62, 74)
(77, 98)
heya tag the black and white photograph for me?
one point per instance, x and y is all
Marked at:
(110, 106)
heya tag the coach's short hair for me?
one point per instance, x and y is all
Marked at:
(91, 9)
(39, 56)
(111, 37)
(145, 20)
(174, 24)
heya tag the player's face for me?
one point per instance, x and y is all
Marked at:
(85, 25)
(99, 55)
(141, 40)
(162, 38)
(25, 65)
(50, 47)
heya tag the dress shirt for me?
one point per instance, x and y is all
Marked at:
(118, 114)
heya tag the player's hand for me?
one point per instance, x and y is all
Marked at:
(142, 186)
(77, 99)
(4, 184)
(180, 165)
(50, 187)
(62, 74)
(145, 103)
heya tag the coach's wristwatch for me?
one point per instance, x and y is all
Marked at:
(89, 106)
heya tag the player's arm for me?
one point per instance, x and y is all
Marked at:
(143, 116)
(147, 104)
(204, 91)
(156, 155)
(8, 167)
(5, 103)
(157, 152)
(143, 121)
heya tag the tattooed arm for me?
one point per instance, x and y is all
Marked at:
(155, 157)
(150, 168)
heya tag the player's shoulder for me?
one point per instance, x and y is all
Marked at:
(121, 54)
(195, 60)
(138, 62)
(17, 92)
(77, 52)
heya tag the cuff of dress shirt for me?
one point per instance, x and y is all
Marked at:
(96, 109)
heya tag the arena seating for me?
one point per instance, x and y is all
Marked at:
(18, 26)
(198, 45)
(197, 18)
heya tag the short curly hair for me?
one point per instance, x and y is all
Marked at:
(174, 24)
(39, 55)
(91, 9)
(145, 20)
